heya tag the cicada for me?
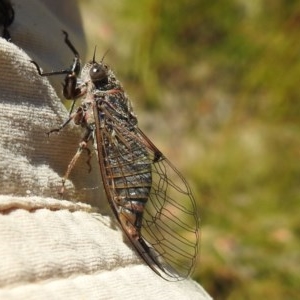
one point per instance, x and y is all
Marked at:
(7, 16)
(150, 199)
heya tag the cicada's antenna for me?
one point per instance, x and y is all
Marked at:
(104, 55)
(94, 54)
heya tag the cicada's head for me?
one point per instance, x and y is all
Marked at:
(99, 73)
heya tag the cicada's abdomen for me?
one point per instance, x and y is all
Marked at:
(129, 178)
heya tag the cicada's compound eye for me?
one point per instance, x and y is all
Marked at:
(99, 72)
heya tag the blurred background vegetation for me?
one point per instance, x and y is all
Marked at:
(216, 86)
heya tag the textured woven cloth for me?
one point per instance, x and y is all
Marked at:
(57, 248)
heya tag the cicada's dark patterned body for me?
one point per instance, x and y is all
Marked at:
(149, 197)
(7, 16)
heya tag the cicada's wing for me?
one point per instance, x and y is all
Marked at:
(171, 222)
(149, 197)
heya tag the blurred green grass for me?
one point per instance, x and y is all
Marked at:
(216, 87)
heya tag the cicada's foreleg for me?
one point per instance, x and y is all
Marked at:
(71, 88)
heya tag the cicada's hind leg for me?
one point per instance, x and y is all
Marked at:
(82, 147)
(71, 165)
